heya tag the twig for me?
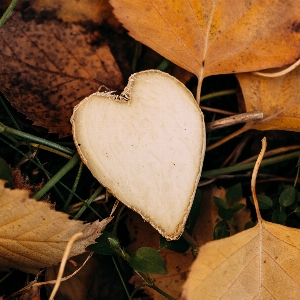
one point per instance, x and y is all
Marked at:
(63, 263)
(280, 73)
(254, 175)
(218, 111)
(240, 118)
(229, 137)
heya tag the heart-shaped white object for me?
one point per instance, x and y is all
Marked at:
(146, 146)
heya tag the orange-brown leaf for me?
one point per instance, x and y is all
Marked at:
(213, 37)
(48, 66)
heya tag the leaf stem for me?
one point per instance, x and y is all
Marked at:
(120, 275)
(8, 11)
(152, 285)
(62, 172)
(137, 289)
(195, 248)
(254, 175)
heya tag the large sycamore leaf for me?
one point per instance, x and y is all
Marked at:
(209, 37)
(32, 235)
(259, 263)
(278, 98)
(48, 66)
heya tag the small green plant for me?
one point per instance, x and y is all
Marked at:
(282, 207)
(226, 210)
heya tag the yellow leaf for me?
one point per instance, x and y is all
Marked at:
(214, 37)
(32, 235)
(259, 263)
(278, 98)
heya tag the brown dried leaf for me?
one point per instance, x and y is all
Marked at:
(216, 37)
(32, 235)
(278, 98)
(96, 11)
(48, 66)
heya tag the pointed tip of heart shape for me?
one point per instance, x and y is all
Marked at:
(146, 146)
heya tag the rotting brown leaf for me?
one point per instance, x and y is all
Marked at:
(97, 11)
(48, 66)
(215, 37)
(278, 98)
(32, 235)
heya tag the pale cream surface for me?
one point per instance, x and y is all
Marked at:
(147, 151)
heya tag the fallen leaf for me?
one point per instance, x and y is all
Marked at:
(144, 144)
(48, 66)
(96, 11)
(259, 263)
(278, 98)
(33, 235)
(216, 37)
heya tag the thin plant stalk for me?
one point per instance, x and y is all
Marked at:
(8, 11)
(121, 278)
(88, 202)
(62, 172)
(249, 166)
(33, 138)
(74, 187)
(218, 94)
(41, 167)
